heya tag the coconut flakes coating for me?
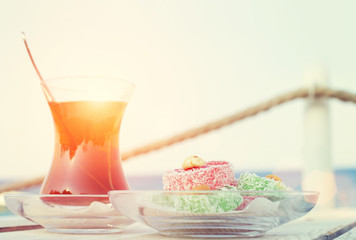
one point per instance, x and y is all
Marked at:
(217, 202)
(252, 182)
(215, 174)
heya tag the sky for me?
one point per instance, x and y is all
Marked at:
(192, 62)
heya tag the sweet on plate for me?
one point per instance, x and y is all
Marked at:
(196, 174)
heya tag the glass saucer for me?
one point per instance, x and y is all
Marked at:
(68, 213)
(213, 214)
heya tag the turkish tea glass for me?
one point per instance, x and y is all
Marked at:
(87, 114)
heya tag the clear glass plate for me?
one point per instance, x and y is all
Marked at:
(213, 214)
(68, 213)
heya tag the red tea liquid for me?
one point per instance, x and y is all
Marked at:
(86, 157)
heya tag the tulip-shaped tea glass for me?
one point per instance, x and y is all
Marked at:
(87, 114)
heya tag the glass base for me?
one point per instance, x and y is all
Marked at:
(84, 231)
(82, 214)
(215, 229)
(216, 236)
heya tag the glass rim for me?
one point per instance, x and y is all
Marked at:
(48, 81)
(25, 194)
(210, 192)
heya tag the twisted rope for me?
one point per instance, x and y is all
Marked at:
(248, 112)
(319, 92)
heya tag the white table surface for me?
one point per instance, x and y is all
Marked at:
(339, 224)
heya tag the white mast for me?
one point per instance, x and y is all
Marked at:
(318, 172)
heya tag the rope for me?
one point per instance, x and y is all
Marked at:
(21, 184)
(249, 112)
(319, 92)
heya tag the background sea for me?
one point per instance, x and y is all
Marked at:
(345, 182)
